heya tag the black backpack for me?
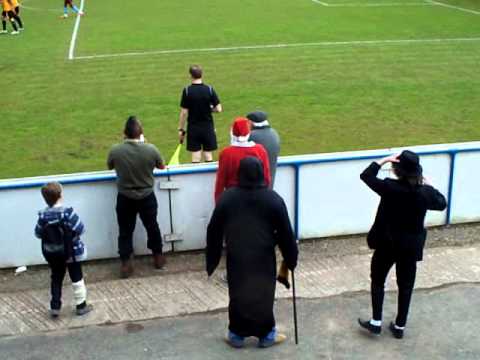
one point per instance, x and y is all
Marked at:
(57, 244)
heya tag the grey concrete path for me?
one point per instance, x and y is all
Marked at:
(184, 293)
(443, 325)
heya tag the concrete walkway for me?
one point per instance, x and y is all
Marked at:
(443, 325)
(185, 293)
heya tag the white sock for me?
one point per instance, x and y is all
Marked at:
(376, 322)
(79, 292)
(398, 327)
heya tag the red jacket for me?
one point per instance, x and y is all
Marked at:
(229, 161)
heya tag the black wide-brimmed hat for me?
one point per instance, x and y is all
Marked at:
(408, 164)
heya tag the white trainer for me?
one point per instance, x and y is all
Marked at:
(15, 32)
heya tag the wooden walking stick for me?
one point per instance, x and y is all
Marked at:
(294, 298)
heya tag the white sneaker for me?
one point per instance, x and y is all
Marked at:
(3, 32)
(64, 16)
(81, 13)
(21, 29)
(14, 32)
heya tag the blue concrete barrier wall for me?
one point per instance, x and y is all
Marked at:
(323, 192)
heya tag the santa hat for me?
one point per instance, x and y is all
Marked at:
(240, 130)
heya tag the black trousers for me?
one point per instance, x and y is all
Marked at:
(382, 262)
(127, 210)
(57, 276)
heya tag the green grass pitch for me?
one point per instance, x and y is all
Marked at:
(338, 85)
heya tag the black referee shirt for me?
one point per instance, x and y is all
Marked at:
(199, 100)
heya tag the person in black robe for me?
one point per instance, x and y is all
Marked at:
(252, 220)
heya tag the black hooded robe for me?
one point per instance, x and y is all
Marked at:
(253, 220)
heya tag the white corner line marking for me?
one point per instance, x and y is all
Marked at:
(71, 50)
(454, 7)
(278, 46)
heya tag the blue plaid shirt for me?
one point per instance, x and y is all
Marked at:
(55, 214)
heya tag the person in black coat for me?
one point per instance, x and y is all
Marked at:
(398, 233)
(253, 220)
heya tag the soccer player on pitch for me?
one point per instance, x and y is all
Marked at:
(10, 12)
(69, 3)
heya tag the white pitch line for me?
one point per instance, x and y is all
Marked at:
(37, 9)
(73, 41)
(22, 5)
(277, 46)
(454, 7)
(375, 4)
(321, 3)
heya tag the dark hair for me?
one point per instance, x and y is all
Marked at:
(196, 71)
(51, 192)
(413, 180)
(133, 128)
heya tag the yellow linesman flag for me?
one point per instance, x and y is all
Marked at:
(175, 159)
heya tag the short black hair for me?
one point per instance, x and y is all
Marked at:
(133, 128)
(196, 71)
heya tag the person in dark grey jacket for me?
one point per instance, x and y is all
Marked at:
(262, 133)
(398, 234)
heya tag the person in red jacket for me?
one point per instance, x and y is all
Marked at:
(229, 159)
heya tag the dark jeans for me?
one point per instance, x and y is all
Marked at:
(57, 276)
(406, 269)
(127, 210)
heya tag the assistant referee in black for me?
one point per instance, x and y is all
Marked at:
(198, 102)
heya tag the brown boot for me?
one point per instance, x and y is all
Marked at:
(126, 269)
(159, 261)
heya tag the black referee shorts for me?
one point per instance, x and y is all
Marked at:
(201, 137)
